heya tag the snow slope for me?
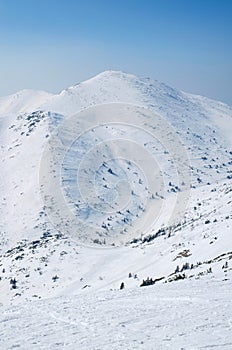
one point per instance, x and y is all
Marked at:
(164, 317)
(24, 135)
(22, 101)
(47, 257)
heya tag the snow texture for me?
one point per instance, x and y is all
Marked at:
(58, 291)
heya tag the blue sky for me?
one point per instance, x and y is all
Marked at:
(50, 44)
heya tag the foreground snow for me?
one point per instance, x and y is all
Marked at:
(180, 315)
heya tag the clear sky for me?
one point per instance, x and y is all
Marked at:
(52, 44)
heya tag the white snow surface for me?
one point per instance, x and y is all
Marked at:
(67, 293)
(175, 316)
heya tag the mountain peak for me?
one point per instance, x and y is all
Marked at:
(113, 74)
(105, 76)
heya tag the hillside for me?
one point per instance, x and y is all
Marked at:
(118, 179)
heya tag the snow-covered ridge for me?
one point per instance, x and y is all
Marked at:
(23, 101)
(45, 263)
(108, 86)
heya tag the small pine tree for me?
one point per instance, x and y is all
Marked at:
(13, 283)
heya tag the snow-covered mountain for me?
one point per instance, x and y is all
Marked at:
(48, 254)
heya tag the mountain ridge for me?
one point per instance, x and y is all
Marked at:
(105, 75)
(46, 263)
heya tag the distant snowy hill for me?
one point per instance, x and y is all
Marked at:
(40, 260)
(22, 101)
